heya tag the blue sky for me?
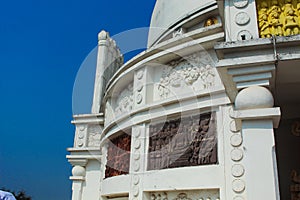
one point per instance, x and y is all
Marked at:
(42, 45)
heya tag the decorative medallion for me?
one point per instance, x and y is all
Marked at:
(244, 35)
(139, 87)
(240, 3)
(242, 18)
(236, 140)
(238, 185)
(140, 74)
(139, 98)
(236, 155)
(237, 170)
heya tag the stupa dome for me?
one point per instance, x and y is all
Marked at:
(168, 13)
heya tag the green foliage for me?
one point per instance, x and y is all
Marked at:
(21, 195)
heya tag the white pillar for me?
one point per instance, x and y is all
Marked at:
(260, 159)
(254, 108)
(102, 62)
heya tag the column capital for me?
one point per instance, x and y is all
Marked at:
(258, 114)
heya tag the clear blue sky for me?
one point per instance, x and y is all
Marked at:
(42, 45)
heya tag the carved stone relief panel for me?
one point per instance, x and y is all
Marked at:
(194, 72)
(278, 17)
(186, 195)
(186, 141)
(295, 186)
(124, 102)
(94, 133)
(118, 155)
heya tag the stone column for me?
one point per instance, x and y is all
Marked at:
(254, 108)
(137, 161)
(78, 179)
(102, 62)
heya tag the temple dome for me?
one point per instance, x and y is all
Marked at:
(167, 13)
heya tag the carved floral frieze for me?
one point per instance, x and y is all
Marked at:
(185, 72)
(124, 102)
(186, 195)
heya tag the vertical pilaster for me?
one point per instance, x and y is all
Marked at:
(254, 109)
(240, 20)
(102, 62)
(137, 161)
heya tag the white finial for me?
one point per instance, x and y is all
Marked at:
(103, 35)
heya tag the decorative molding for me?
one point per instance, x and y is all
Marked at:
(242, 18)
(244, 35)
(185, 195)
(240, 3)
(125, 101)
(185, 72)
(178, 32)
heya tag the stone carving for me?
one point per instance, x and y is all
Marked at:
(244, 35)
(94, 136)
(186, 71)
(296, 128)
(178, 32)
(186, 195)
(159, 196)
(210, 21)
(240, 3)
(280, 18)
(124, 101)
(242, 18)
(182, 196)
(118, 156)
(238, 185)
(187, 141)
(295, 186)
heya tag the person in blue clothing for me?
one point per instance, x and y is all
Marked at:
(6, 196)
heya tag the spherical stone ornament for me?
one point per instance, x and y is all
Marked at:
(236, 154)
(140, 74)
(240, 3)
(137, 144)
(81, 128)
(236, 140)
(242, 18)
(233, 126)
(80, 143)
(137, 133)
(139, 87)
(244, 35)
(254, 97)
(237, 170)
(136, 167)
(136, 179)
(238, 185)
(78, 171)
(139, 98)
(136, 155)
(81, 135)
(135, 191)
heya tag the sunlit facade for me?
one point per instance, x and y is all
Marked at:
(209, 111)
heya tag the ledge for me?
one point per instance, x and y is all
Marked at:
(88, 119)
(258, 114)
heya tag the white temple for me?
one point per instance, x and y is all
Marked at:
(210, 111)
